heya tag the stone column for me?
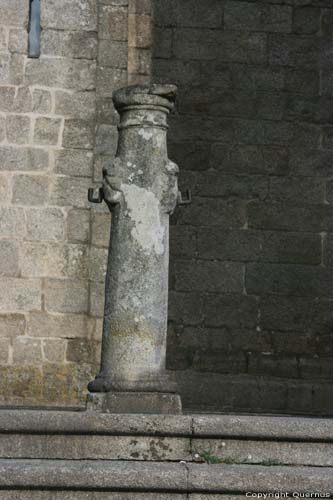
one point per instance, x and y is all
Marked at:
(140, 189)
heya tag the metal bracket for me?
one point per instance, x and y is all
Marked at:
(95, 195)
(184, 201)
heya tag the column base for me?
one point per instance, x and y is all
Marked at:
(135, 402)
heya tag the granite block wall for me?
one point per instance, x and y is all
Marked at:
(58, 129)
(251, 287)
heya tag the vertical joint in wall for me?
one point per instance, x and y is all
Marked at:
(140, 41)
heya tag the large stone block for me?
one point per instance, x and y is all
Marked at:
(185, 308)
(112, 53)
(310, 162)
(109, 79)
(75, 44)
(101, 227)
(35, 260)
(18, 40)
(305, 315)
(106, 140)
(9, 258)
(54, 350)
(183, 242)
(21, 295)
(47, 131)
(55, 325)
(281, 133)
(195, 44)
(12, 223)
(45, 224)
(180, 72)
(54, 260)
(235, 311)
(96, 306)
(226, 277)
(23, 159)
(254, 77)
(4, 350)
(81, 351)
(139, 31)
(220, 362)
(65, 383)
(326, 21)
(257, 17)
(73, 74)
(286, 218)
(15, 12)
(233, 46)
(66, 296)
(113, 22)
(197, 14)
(12, 325)
(72, 15)
(260, 246)
(307, 21)
(297, 190)
(300, 280)
(21, 383)
(7, 96)
(23, 100)
(192, 156)
(139, 61)
(5, 68)
(27, 351)
(41, 101)
(163, 42)
(270, 364)
(17, 129)
(70, 191)
(302, 81)
(97, 263)
(78, 225)
(294, 50)
(206, 184)
(213, 212)
(30, 190)
(73, 162)
(78, 134)
(251, 159)
(136, 7)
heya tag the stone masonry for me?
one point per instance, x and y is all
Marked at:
(251, 312)
(57, 128)
(251, 259)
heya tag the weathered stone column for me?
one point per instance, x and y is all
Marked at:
(140, 189)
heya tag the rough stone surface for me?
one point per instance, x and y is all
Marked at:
(253, 139)
(134, 402)
(251, 256)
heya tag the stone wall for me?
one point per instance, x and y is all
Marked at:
(57, 131)
(47, 117)
(251, 313)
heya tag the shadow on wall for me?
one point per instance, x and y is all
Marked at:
(251, 279)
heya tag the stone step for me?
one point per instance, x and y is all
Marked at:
(151, 448)
(255, 427)
(118, 476)
(213, 439)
